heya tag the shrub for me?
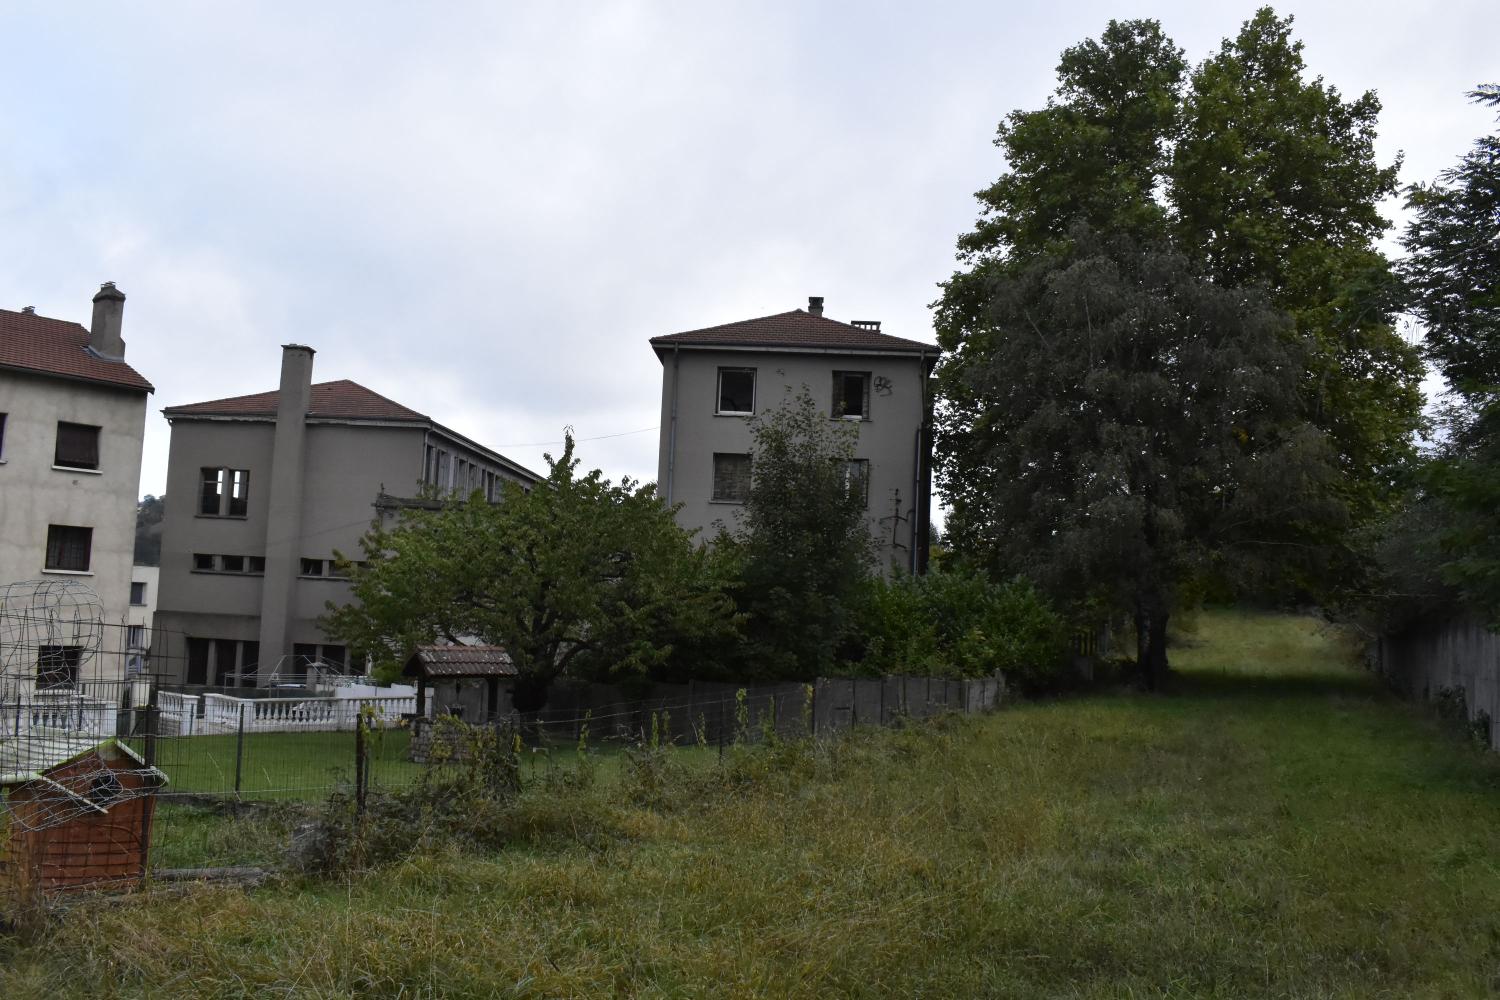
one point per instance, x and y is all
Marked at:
(960, 624)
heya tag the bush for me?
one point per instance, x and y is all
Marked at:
(960, 624)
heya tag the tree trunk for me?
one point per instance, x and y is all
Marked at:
(1156, 651)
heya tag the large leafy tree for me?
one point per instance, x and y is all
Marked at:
(1453, 270)
(802, 548)
(1258, 183)
(575, 574)
(1118, 428)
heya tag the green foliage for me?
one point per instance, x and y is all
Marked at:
(803, 548)
(577, 574)
(149, 512)
(1249, 196)
(1125, 432)
(960, 624)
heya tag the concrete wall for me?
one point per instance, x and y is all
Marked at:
(1442, 658)
(887, 439)
(33, 494)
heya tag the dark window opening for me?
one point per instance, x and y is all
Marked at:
(137, 592)
(2, 435)
(857, 479)
(226, 655)
(203, 561)
(232, 564)
(257, 564)
(197, 661)
(736, 390)
(77, 446)
(68, 547)
(312, 567)
(224, 492)
(731, 478)
(57, 666)
(851, 395)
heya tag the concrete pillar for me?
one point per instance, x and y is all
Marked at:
(284, 520)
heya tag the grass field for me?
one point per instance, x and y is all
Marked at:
(1275, 826)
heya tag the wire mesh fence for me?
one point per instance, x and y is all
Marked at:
(113, 768)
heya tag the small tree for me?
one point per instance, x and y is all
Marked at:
(577, 572)
(803, 548)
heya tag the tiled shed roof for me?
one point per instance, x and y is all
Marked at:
(57, 347)
(460, 661)
(795, 329)
(341, 400)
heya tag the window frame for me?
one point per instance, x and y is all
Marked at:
(859, 467)
(58, 546)
(62, 674)
(838, 397)
(714, 493)
(231, 491)
(754, 374)
(137, 589)
(59, 461)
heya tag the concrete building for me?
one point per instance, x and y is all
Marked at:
(262, 491)
(714, 380)
(72, 416)
(143, 586)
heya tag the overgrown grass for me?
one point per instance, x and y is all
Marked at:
(1274, 826)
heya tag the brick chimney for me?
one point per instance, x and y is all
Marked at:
(815, 304)
(104, 332)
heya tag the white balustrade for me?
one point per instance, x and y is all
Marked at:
(224, 713)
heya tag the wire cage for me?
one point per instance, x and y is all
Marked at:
(76, 800)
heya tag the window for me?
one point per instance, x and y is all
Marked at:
(208, 562)
(857, 479)
(57, 666)
(77, 446)
(257, 564)
(232, 564)
(312, 567)
(736, 391)
(135, 637)
(851, 395)
(204, 562)
(138, 592)
(2, 437)
(68, 547)
(230, 662)
(224, 493)
(731, 478)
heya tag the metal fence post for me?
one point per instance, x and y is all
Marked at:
(239, 752)
(361, 764)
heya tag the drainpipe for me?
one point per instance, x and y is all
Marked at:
(672, 430)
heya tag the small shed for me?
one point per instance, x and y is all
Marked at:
(79, 811)
(471, 682)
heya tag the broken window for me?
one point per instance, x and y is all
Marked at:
(69, 547)
(736, 391)
(731, 477)
(857, 479)
(851, 395)
(224, 493)
(57, 666)
(77, 446)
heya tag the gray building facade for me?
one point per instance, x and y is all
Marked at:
(716, 379)
(72, 419)
(262, 491)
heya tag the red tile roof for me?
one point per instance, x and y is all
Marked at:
(460, 661)
(797, 328)
(341, 400)
(47, 346)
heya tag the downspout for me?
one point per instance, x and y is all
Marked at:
(672, 429)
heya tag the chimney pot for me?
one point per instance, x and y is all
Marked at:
(815, 304)
(104, 331)
(29, 310)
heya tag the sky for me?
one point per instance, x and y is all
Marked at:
(485, 210)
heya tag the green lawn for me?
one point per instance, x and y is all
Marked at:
(1276, 826)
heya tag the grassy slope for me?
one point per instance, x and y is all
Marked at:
(1276, 827)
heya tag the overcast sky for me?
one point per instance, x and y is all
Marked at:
(485, 210)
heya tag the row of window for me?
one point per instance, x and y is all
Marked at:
(449, 472)
(235, 662)
(76, 446)
(732, 478)
(210, 562)
(851, 394)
